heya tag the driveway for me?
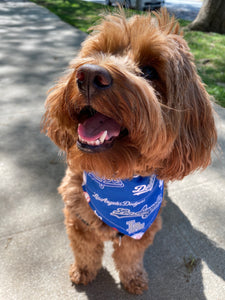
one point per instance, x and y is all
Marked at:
(186, 10)
(182, 9)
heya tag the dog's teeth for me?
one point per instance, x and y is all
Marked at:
(103, 136)
(81, 140)
(94, 143)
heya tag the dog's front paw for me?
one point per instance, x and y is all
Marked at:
(137, 283)
(81, 276)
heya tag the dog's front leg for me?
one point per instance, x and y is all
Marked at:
(88, 251)
(128, 256)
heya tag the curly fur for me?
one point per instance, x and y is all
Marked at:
(169, 120)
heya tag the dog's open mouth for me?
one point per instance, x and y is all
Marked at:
(97, 132)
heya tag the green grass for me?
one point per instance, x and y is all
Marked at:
(209, 53)
(208, 48)
(80, 14)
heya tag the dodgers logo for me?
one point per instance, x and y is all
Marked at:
(102, 182)
(117, 203)
(141, 189)
(144, 213)
(134, 226)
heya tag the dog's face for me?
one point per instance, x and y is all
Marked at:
(132, 102)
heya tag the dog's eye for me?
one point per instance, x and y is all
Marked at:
(149, 73)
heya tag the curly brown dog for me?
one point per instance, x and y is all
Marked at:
(131, 113)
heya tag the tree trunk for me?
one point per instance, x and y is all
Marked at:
(211, 17)
(138, 4)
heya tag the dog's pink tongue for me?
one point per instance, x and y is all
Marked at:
(94, 127)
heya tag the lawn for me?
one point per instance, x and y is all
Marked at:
(209, 53)
(208, 48)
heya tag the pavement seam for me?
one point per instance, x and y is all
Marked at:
(3, 237)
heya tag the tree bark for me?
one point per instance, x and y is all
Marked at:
(138, 4)
(211, 17)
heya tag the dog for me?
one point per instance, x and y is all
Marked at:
(131, 114)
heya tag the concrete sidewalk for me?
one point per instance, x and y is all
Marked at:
(35, 255)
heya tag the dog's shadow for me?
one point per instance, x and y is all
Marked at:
(174, 263)
(103, 287)
(182, 253)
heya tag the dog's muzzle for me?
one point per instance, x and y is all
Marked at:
(96, 131)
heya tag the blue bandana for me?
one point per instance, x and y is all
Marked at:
(129, 206)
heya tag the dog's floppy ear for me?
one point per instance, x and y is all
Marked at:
(56, 122)
(191, 112)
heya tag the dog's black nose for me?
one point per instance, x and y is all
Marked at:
(93, 78)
